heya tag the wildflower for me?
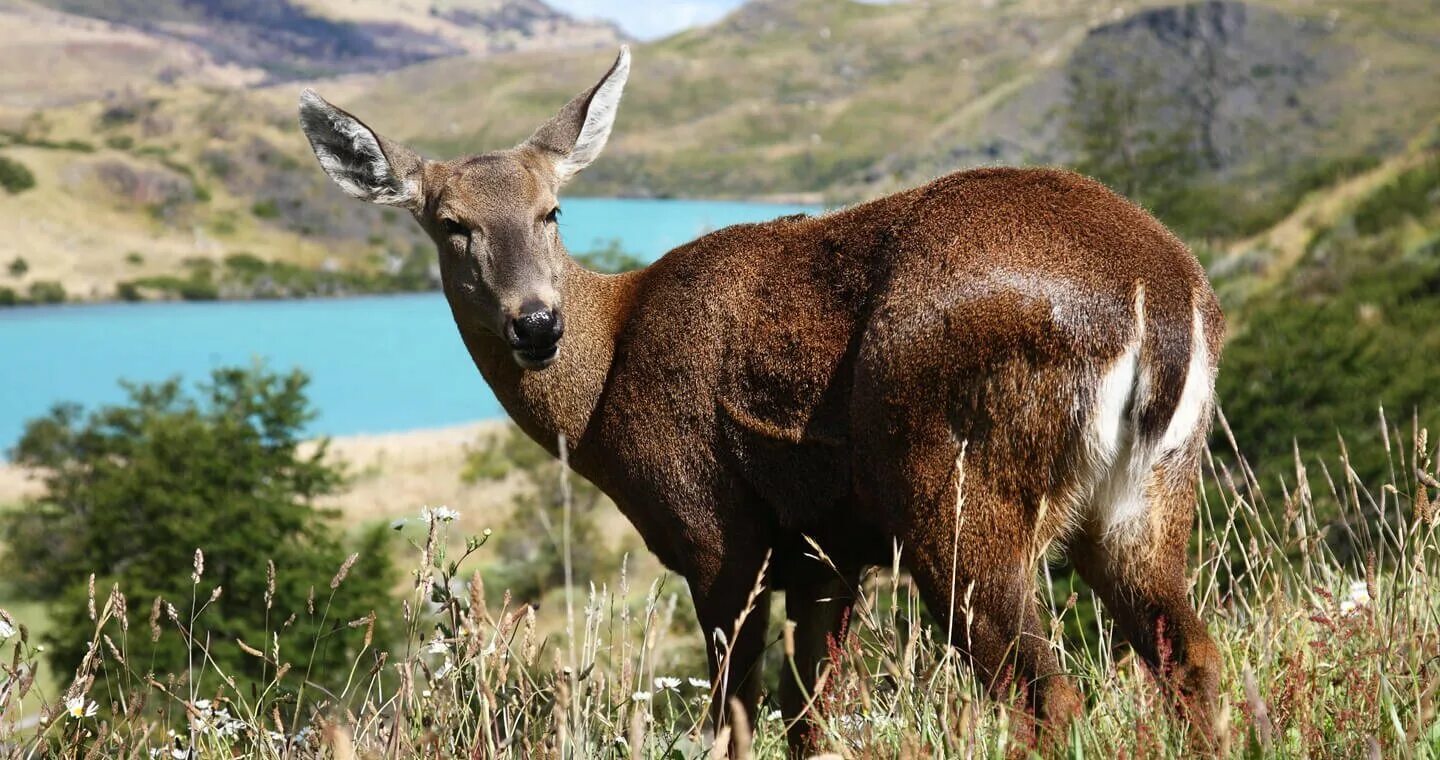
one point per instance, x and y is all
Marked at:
(699, 683)
(6, 630)
(665, 683)
(203, 705)
(442, 514)
(1358, 598)
(487, 532)
(437, 644)
(78, 708)
(641, 696)
(773, 715)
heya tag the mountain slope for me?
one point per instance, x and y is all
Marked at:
(852, 98)
(870, 98)
(290, 39)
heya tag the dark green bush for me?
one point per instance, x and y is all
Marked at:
(132, 491)
(18, 267)
(15, 177)
(8, 297)
(47, 291)
(265, 209)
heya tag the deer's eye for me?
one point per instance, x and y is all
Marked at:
(454, 228)
(553, 215)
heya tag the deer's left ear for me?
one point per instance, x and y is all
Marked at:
(577, 134)
(362, 163)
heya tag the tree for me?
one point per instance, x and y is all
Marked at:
(132, 490)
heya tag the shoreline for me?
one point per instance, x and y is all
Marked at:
(392, 475)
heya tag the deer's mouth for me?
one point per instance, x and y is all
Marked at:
(536, 358)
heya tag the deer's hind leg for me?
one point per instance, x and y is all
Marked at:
(975, 564)
(981, 590)
(1141, 573)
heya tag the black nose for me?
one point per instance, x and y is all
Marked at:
(535, 330)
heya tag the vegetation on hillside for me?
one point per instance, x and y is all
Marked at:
(1351, 325)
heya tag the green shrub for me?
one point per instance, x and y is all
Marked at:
(15, 177)
(132, 491)
(47, 291)
(128, 291)
(8, 297)
(610, 259)
(120, 142)
(18, 267)
(134, 258)
(265, 209)
(199, 289)
(245, 264)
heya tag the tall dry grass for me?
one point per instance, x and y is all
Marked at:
(1319, 590)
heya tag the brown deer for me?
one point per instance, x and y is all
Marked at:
(1022, 337)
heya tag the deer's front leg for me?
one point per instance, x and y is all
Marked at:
(732, 603)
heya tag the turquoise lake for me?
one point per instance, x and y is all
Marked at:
(376, 364)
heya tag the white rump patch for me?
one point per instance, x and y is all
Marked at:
(1119, 462)
(599, 118)
(1122, 462)
(1195, 398)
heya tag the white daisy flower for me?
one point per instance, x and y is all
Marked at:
(641, 696)
(699, 683)
(203, 705)
(1360, 593)
(77, 707)
(664, 682)
(442, 513)
(6, 630)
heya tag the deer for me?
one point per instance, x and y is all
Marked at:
(976, 371)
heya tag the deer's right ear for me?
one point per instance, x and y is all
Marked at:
(361, 162)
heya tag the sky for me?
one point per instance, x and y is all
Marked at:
(649, 19)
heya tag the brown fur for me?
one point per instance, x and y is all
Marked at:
(821, 376)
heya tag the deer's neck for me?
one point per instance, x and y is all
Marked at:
(562, 398)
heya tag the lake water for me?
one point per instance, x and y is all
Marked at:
(377, 364)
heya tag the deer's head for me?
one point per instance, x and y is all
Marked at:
(492, 216)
